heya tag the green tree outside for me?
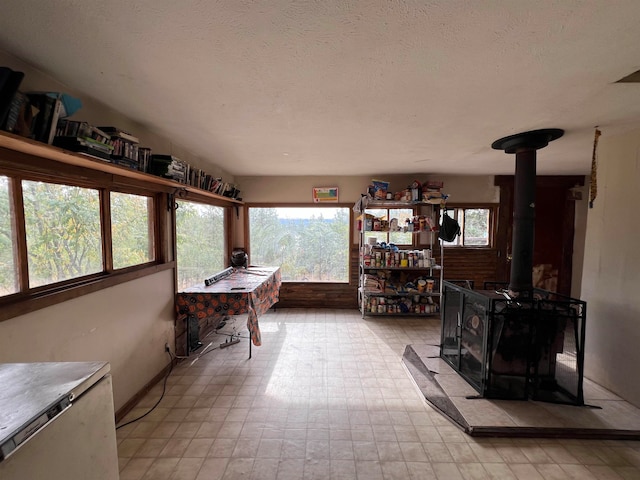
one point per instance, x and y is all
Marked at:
(199, 242)
(131, 232)
(63, 231)
(307, 247)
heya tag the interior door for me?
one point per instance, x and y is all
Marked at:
(554, 229)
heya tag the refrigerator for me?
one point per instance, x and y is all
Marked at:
(57, 422)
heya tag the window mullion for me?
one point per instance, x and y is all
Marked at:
(20, 242)
(105, 222)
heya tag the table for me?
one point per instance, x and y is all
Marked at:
(252, 291)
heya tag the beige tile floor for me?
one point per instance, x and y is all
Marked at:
(326, 397)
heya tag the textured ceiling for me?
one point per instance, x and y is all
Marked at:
(347, 87)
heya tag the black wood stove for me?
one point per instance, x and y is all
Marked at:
(511, 341)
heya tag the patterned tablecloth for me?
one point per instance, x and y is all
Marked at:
(252, 291)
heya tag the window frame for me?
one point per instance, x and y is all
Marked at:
(348, 206)
(152, 227)
(23, 271)
(28, 299)
(28, 159)
(226, 222)
(493, 215)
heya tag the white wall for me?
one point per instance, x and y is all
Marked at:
(126, 325)
(611, 274)
(294, 189)
(97, 113)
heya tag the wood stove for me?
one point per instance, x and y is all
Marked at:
(517, 342)
(515, 348)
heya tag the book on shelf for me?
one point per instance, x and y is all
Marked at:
(19, 117)
(80, 129)
(118, 133)
(70, 143)
(10, 81)
(124, 149)
(144, 157)
(79, 136)
(46, 109)
(169, 166)
(125, 162)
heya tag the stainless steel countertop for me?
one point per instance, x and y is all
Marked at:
(29, 389)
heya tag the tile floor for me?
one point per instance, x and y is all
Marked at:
(326, 397)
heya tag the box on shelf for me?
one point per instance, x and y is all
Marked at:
(380, 188)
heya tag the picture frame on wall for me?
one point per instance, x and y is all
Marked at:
(325, 194)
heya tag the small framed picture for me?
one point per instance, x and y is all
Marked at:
(325, 194)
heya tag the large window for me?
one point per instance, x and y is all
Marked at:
(310, 244)
(8, 274)
(476, 225)
(55, 235)
(131, 229)
(63, 232)
(200, 242)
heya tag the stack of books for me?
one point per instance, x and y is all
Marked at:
(125, 147)
(168, 166)
(83, 138)
(144, 158)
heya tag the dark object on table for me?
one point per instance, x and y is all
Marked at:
(239, 259)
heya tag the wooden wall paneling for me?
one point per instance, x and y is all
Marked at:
(545, 186)
(477, 264)
(317, 295)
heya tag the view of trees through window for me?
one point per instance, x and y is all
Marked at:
(8, 277)
(131, 229)
(63, 226)
(199, 242)
(63, 232)
(474, 226)
(309, 244)
(402, 215)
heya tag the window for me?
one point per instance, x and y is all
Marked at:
(53, 237)
(131, 229)
(402, 215)
(309, 244)
(8, 274)
(476, 225)
(62, 224)
(200, 242)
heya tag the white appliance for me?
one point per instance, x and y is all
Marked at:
(57, 422)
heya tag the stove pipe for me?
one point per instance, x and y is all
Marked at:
(524, 145)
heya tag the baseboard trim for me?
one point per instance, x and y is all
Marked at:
(133, 401)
